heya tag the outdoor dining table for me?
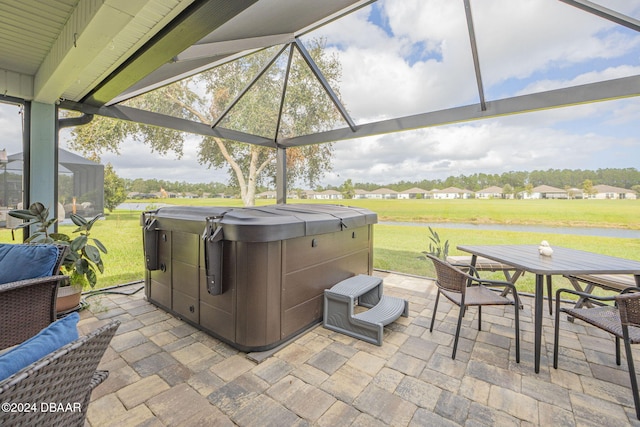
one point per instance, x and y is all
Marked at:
(562, 261)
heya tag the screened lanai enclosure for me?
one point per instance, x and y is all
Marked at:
(80, 183)
(80, 186)
(99, 58)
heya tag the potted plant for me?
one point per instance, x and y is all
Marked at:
(83, 258)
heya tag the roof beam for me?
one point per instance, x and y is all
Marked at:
(248, 86)
(474, 53)
(197, 21)
(327, 20)
(90, 28)
(314, 70)
(325, 84)
(207, 50)
(162, 120)
(605, 13)
(15, 84)
(593, 92)
(214, 50)
(191, 62)
(283, 95)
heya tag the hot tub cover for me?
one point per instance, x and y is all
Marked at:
(272, 222)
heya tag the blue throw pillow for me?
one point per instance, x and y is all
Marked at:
(20, 262)
(48, 340)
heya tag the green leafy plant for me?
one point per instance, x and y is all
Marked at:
(436, 247)
(84, 257)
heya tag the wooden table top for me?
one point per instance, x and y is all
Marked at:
(562, 261)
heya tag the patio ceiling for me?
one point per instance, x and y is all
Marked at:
(102, 52)
(91, 55)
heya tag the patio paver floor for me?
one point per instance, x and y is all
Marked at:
(164, 371)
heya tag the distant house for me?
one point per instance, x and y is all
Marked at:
(382, 193)
(545, 192)
(309, 194)
(413, 193)
(575, 193)
(360, 193)
(609, 192)
(266, 195)
(332, 195)
(324, 195)
(452, 193)
(163, 194)
(493, 192)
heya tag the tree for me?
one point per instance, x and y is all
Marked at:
(507, 191)
(114, 188)
(307, 109)
(587, 187)
(528, 188)
(347, 189)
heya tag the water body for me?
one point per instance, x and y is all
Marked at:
(583, 231)
(140, 206)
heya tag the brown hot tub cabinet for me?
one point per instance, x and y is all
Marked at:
(253, 277)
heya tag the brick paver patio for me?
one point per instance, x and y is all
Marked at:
(166, 372)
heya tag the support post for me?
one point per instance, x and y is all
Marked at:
(43, 156)
(281, 175)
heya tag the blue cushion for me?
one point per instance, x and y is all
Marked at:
(48, 340)
(20, 262)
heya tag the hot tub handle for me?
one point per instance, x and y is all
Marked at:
(213, 247)
(150, 237)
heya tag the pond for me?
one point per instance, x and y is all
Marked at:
(583, 231)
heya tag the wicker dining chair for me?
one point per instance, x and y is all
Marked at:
(621, 320)
(29, 305)
(65, 377)
(466, 290)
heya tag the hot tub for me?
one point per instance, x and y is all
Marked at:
(253, 277)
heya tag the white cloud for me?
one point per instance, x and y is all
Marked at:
(516, 40)
(624, 114)
(490, 146)
(420, 60)
(386, 86)
(380, 81)
(137, 161)
(585, 78)
(557, 44)
(10, 123)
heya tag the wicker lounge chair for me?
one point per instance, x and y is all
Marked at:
(465, 290)
(27, 306)
(65, 377)
(621, 320)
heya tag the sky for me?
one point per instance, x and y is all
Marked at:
(402, 57)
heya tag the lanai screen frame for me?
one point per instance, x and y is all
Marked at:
(569, 96)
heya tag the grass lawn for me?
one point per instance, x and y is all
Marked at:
(572, 213)
(399, 248)
(121, 233)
